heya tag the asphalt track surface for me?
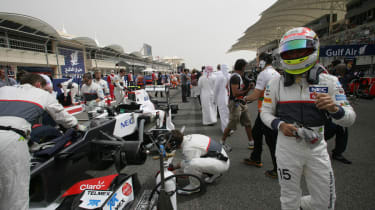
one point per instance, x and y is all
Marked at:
(246, 187)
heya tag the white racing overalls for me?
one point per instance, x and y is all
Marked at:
(194, 148)
(102, 83)
(91, 93)
(119, 83)
(20, 107)
(295, 157)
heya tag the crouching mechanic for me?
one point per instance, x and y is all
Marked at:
(20, 107)
(202, 155)
(297, 105)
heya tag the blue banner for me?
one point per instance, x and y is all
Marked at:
(35, 69)
(347, 50)
(74, 62)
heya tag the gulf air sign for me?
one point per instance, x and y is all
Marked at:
(347, 50)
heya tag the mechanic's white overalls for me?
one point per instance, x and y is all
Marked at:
(91, 93)
(119, 93)
(20, 106)
(102, 83)
(195, 146)
(297, 157)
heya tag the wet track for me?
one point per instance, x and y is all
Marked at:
(246, 187)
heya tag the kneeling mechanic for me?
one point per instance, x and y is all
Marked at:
(202, 155)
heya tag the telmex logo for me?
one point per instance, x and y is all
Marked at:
(92, 187)
(127, 122)
(319, 89)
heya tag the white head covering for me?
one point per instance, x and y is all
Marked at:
(208, 71)
(49, 86)
(224, 70)
(48, 80)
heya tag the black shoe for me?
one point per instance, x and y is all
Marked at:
(341, 159)
(271, 173)
(251, 162)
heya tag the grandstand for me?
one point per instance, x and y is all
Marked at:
(33, 45)
(346, 29)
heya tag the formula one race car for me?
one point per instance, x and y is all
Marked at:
(115, 135)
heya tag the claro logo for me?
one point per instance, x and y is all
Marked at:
(92, 187)
(127, 122)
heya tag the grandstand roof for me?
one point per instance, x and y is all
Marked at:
(27, 24)
(86, 41)
(284, 15)
(115, 47)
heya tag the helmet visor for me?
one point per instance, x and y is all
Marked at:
(296, 54)
(296, 44)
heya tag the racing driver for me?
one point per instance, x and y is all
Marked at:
(297, 105)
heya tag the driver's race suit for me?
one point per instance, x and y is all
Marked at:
(20, 107)
(295, 104)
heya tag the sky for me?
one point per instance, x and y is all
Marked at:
(199, 31)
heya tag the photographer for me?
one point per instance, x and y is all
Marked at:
(238, 111)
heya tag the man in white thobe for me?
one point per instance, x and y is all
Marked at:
(221, 94)
(206, 86)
